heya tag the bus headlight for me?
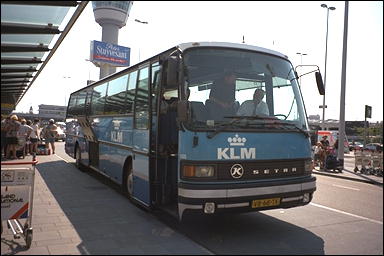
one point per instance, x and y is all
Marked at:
(308, 166)
(198, 171)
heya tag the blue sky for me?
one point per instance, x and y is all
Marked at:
(288, 27)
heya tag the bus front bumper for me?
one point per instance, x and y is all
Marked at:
(245, 197)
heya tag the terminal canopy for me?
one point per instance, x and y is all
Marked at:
(28, 29)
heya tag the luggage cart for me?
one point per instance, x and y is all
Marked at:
(377, 164)
(367, 163)
(358, 161)
(17, 186)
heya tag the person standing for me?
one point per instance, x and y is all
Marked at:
(4, 123)
(12, 128)
(24, 133)
(35, 135)
(50, 134)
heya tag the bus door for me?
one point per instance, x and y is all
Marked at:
(167, 140)
(140, 140)
(87, 134)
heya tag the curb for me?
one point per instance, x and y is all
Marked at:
(366, 180)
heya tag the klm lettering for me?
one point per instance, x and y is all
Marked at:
(117, 136)
(236, 153)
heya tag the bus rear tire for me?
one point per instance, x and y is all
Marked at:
(128, 181)
(78, 163)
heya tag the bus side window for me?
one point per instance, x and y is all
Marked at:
(71, 106)
(131, 91)
(115, 102)
(98, 99)
(141, 100)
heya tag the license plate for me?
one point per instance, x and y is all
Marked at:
(265, 202)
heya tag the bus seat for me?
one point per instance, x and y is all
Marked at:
(199, 111)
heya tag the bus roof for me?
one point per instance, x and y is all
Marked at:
(185, 46)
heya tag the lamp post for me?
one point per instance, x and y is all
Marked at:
(142, 22)
(325, 65)
(65, 94)
(301, 62)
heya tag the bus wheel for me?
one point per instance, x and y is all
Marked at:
(78, 159)
(128, 182)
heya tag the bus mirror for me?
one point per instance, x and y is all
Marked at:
(320, 84)
(172, 67)
(182, 110)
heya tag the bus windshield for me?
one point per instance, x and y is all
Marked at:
(241, 89)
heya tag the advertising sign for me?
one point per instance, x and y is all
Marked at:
(14, 202)
(109, 53)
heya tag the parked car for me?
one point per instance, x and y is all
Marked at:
(356, 146)
(374, 147)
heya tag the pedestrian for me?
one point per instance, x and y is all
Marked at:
(50, 133)
(317, 154)
(325, 142)
(24, 133)
(12, 129)
(4, 123)
(35, 135)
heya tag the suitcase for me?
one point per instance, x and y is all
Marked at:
(331, 162)
(42, 150)
(20, 153)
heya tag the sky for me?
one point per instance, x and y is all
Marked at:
(288, 27)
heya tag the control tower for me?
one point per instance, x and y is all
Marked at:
(111, 16)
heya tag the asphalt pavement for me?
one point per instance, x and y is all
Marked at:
(76, 213)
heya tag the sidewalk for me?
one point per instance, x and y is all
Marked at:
(75, 212)
(348, 172)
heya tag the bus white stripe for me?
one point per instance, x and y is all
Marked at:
(227, 193)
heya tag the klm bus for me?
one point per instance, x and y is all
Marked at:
(156, 129)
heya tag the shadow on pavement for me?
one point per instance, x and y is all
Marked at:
(251, 233)
(99, 220)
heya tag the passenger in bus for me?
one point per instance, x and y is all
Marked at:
(222, 95)
(255, 106)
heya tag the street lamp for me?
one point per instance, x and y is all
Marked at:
(325, 66)
(301, 62)
(65, 93)
(142, 22)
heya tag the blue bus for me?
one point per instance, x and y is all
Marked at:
(162, 130)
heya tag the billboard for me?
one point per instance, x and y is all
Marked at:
(113, 54)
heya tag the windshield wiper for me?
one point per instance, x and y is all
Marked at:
(240, 118)
(237, 119)
(294, 126)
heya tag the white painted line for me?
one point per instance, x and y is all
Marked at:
(357, 189)
(61, 158)
(347, 213)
